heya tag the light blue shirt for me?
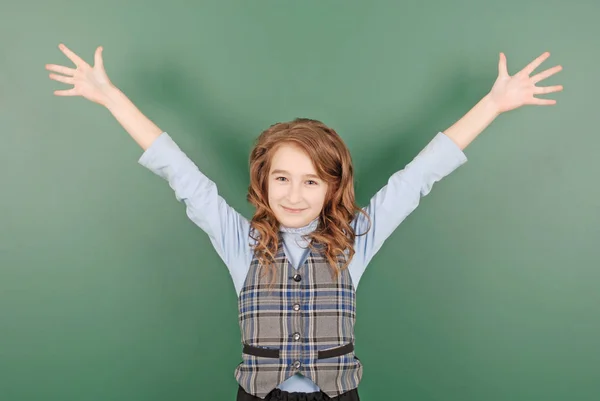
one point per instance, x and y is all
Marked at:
(229, 231)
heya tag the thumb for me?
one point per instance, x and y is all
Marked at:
(502, 69)
(98, 58)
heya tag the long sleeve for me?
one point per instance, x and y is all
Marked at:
(401, 196)
(226, 228)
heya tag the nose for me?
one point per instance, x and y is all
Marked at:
(295, 194)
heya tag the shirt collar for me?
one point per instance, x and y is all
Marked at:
(301, 230)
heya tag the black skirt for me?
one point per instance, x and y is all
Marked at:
(278, 395)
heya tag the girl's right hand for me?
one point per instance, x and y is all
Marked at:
(89, 82)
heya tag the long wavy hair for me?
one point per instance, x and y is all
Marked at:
(333, 164)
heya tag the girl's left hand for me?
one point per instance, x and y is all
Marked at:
(509, 93)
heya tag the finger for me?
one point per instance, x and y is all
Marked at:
(535, 63)
(68, 92)
(61, 69)
(62, 78)
(545, 74)
(72, 56)
(98, 58)
(502, 69)
(547, 89)
(542, 102)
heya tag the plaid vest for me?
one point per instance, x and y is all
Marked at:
(304, 324)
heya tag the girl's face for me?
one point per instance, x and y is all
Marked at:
(296, 193)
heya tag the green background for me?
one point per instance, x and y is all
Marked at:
(488, 291)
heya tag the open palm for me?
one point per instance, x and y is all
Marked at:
(89, 82)
(509, 93)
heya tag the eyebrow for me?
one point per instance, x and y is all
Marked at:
(286, 172)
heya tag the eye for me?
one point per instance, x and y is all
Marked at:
(278, 178)
(314, 182)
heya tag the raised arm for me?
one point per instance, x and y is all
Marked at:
(394, 202)
(508, 93)
(92, 83)
(401, 196)
(226, 228)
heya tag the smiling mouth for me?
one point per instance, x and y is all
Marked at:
(292, 210)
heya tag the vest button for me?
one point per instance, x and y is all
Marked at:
(296, 307)
(296, 365)
(296, 336)
(297, 277)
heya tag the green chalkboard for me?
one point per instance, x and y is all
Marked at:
(487, 291)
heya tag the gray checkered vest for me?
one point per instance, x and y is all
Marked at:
(303, 324)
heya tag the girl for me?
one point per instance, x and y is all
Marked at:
(296, 264)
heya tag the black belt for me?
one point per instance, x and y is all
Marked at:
(274, 353)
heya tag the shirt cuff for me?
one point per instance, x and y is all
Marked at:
(160, 153)
(445, 154)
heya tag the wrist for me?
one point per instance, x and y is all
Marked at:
(490, 105)
(112, 96)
